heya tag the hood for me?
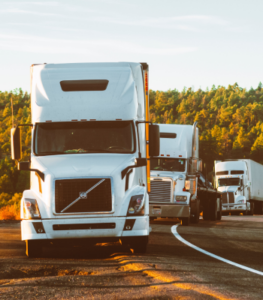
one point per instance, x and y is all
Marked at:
(232, 188)
(173, 175)
(63, 166)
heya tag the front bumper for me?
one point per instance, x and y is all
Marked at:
(169, 210)
(234, 207)
(140, 228)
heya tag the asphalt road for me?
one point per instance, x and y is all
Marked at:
(169, 270)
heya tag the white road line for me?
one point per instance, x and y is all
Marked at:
(177, 235)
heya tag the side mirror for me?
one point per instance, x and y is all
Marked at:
(15, 144)
(154, 140)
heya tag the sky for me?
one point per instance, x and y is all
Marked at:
(187, 43)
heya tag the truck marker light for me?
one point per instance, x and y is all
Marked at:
(83, 120)
(74, 120)
(92, 119)
(168, 155)
(180, 155)
(162, 155)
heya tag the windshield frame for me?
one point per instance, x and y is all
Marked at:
(170, 158)
(227, 178)
(133, 131)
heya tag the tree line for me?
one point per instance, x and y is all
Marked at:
(230, 122)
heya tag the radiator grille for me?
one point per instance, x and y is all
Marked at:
(228, 197)
(68, 190)
(231, 197)
(160, 191)
(224, 198)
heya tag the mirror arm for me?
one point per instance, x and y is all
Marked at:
(40, 174)
(125, 171)
(20, 125)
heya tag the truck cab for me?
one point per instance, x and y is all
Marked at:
(174, 174)
(232, 181)
(91, 141)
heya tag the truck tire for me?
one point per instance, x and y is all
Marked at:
(33, 248)
(185, 221)
(195, 217)
(213, 210)
(258, 208)
(139, 245)
(252, 207)
(206, 215)
(219, 213)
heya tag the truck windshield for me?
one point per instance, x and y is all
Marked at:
(84, 137)
(168, 164)
(228, 181)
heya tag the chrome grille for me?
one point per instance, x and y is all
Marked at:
(228, 197)
(160, 191)
(224, 198)
(231, 197)
(97, 200)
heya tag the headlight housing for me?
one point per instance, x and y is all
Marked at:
(241, 201)
(30, 209)
(181, 198)
(136, 206)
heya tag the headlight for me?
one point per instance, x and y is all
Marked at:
(136, 206)
(180, 198)
(187, 185)
(30, 209)
(241, 201)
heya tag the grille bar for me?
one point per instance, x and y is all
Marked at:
(84, 226)
(228, 197)
(161, 191)
(85, 195)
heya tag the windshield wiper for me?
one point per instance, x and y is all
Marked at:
(51, 153)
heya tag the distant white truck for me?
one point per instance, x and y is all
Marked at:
(90, 156)
(241, 184)
(178, 189)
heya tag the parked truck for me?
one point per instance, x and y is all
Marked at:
(240, 182)
(91, 144)
(178, 189)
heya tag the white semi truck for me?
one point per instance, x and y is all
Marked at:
(240, 182)
(91, 144)
(178, 189)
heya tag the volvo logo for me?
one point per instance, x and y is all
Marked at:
(83, 195)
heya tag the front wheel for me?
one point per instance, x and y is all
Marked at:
(185, 221)
(219, 213)
(33, 248)
(251, 211)
(213, 210)
(195, 217)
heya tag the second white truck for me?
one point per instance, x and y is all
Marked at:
(178, 189)
(240, 182)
